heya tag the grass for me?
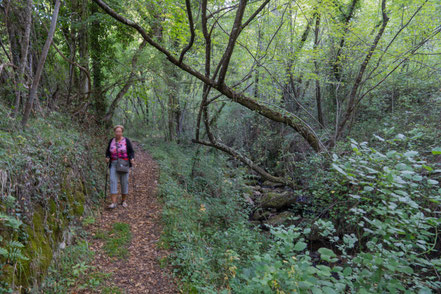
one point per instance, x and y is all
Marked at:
(89, 220)
(116, 240)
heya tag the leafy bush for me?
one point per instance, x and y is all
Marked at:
(393, 209)
(375, 217)
(205, 217)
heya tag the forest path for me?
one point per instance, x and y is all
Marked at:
(140, 270)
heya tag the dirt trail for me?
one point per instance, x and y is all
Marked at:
(140, 272)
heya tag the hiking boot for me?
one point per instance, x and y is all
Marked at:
(112, 206)
(124, 204)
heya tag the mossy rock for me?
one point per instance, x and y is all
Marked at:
(272, 184)
(261, 214)
(248, 199)
(45, 232)
(281, 218)
(278, 200)
(79, 203)
(38, 249)
(248, 189)
(251, 181)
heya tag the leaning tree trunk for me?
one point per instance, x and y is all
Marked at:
(40, 65)
(23, 56)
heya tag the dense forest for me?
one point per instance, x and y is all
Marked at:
(298, 142)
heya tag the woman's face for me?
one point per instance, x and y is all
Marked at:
(118, 132)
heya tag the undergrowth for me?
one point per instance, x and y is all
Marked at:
(205, 217)
(50, 173)
(381, 237)
(71, 271)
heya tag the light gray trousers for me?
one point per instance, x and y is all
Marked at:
(123, 180)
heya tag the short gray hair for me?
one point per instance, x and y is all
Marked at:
(118, 126)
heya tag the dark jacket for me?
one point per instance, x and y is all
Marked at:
(130, 151)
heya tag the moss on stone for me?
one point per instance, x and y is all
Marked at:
(278, 200)
(38, 249)
(79, 203)
(281, 218)
(45, 232)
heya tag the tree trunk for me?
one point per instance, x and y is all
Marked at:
(83, 38)
(23, 57)
(40, 65)
(318, 95)
(99, 99)
(354, 91)
(173, 106)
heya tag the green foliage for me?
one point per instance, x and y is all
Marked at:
(11, 251)
(72, 271)
(71, 266)
(286, 267)
(43, 189)
(205, 217)
(391, 234)
(396, 207)
(380, 238)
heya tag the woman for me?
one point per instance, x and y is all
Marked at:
(119, 147)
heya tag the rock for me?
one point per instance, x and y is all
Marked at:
(266, 190)
(260, 214)
(256, 188)
(257, 194)
(281, 218)
(277, 200)
(251, 180)
(272, 184)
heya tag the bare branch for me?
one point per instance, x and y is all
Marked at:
(246, 161)
(77, 65)
(235, 31)
(255, 14)
(127, 85)
(191, 24)
(410, 53)
(394, 38)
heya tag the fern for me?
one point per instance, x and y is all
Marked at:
(10, 221)
(4, 252)
(16, 244)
